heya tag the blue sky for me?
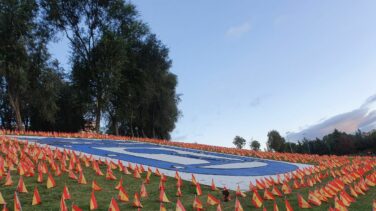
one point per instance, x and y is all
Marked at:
(246, 67)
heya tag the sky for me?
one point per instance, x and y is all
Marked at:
(245, 67)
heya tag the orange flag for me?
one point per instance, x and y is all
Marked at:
(162, 196)
(50, 181)
(36, 197)
(72, 175)
(21, 187)
(40, 177)
(8, 180)
(162, 207)
(286, 188)
(256, 199)
(288, 206)
(313, 199)
(212, 200)
(95, 186)
(123, 195)
(178, 192)
(239, 192)
(81, 178)
(194, 181)
(2, 201)
(197, 204)
(275, 206)
(17, 203)
(66, 194)
(120, 183)
(75, 208)
(219, 208)
(302, 202)
(63, 206)
(136, 201)
(179, 206)
(93, 202)
(113, 205)
(238, 206)
(268, 195)
(213, 187)
(198, 189)
(276, 192)
(143, 192)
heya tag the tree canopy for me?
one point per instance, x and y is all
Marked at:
(239, 142)
(120, 71)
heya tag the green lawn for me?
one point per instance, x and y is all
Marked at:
(81, 193)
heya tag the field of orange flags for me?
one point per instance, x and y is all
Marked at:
(331, 183)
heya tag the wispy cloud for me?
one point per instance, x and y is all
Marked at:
(363, 118)
(238, 30)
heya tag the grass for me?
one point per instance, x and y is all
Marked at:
(81, 193)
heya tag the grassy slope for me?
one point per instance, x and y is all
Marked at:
(81, 193)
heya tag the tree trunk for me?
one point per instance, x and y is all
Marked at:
(97, 117)
(14, 101)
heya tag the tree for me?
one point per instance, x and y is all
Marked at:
(86, 24)
(255, 145)
(239, 142)
(275, 141)
(30, 79)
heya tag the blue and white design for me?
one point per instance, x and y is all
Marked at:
(171, 158)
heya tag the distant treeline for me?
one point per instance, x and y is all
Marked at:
(335, 143)
(119, 70)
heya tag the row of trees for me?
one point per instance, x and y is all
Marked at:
(240, 143)
(119, 69)
(335, 143)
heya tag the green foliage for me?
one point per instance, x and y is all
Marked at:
(120, 70)
(30, 80)
(255, 145)
(275, 141)
(239, 142)
(336, 143)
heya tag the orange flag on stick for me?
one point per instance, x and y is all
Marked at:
(21, 188)
(179, 206)
(197, 204)
(2, 201)
(238, 206)
(198, 189)
(143, 192)
(302, 202)
(66, 194)
(81, 178)
(63, 206)
(93, 202)
(50, 181)
(75, 208)
(136, 201)
(113, 205)
(288, 206)
(162, 207)
(36, 197)
(95, 186)
(120, 183)
(256, 199)
(162, 196)
(213, 187)
(212, 200)
(17, 203)
(8, 180)
(123, 195)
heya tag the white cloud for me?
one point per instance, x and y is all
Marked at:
(238, 30)
(363, 118)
